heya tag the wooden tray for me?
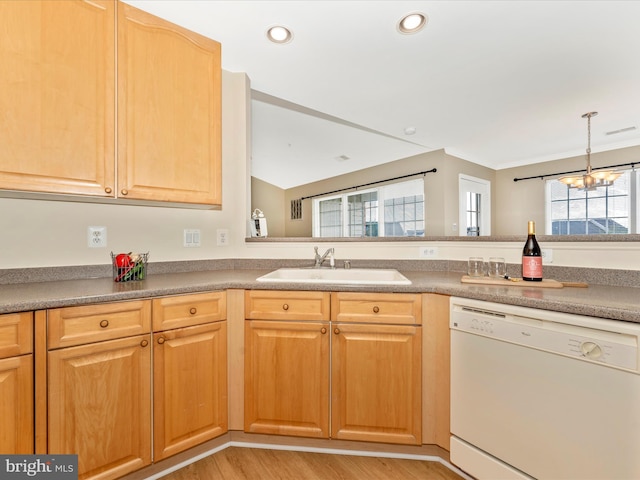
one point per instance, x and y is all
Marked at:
(518, 282)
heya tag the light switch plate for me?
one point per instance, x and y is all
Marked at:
(191, 237)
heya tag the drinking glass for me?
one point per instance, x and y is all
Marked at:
(476, 267)
(497, 267)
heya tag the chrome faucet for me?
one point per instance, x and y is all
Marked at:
(319, 259)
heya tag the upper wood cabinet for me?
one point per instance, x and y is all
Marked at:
(58, 93)
(169, 111)
(57, 108)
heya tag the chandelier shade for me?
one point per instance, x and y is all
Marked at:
(590, 180)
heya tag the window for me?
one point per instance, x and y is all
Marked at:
(474, 206)
(395, 210)
(606, 210)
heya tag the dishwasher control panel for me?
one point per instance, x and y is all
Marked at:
(607, 342)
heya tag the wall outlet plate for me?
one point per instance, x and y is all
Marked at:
(428, 252)
(222, 237)
(97, 237)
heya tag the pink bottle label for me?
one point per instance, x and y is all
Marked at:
(532, 267)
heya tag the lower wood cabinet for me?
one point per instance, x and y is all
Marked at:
(100, 405)
(16, 383)
(376, 383)
(189, 387)
(368, 352)
(287, 378)
(100, 363)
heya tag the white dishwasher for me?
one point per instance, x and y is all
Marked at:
(544, 395)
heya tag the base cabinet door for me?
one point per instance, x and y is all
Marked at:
(16, 405)
(100, 406)
(16, 384)
(190, 387)
(287, 378)
(376, 383)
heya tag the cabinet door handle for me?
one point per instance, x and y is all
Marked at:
(193, 310)
(124, 191)
(285, 306)
(161, 340)
(107, 190)
(144, 343)
(376, 309)
(323, 330)
(104, 323)
(336, 331)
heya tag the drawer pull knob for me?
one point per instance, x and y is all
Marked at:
(104, 323)
(193, 310)
(161, 340)
(336, 331)
(107, 190)
(323, 330)
(285, 306)
(144, 343)
(376, 309)
(124, 191)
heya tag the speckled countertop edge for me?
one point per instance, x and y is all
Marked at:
(605, 301)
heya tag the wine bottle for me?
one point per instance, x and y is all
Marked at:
(532, 257)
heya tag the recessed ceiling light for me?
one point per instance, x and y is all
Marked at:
(279, 34)
(410, 130)
(412, 23)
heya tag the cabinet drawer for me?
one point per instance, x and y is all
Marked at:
(391, 308)
(94, 323)
(188, 310)
(283, 305)
(16, 334)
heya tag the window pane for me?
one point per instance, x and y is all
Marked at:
(390, 210)
(330, 212)
(605, 210)
(404, 209)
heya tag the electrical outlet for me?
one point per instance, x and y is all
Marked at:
(97, 237)
(223, 237)
(191, 237)
(547, 255)
(428, 252)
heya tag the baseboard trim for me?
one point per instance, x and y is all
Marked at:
(431, 453)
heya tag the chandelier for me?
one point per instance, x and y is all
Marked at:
(590, 180)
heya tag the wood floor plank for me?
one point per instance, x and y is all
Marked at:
(239, 463)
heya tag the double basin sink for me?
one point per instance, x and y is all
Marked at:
(348, 276)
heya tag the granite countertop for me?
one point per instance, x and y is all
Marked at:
(611, 302)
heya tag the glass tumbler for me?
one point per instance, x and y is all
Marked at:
(497, 267)
(476, 267)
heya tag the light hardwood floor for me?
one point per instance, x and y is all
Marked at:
(239, 463)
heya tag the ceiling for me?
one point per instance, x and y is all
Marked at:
(498, 83)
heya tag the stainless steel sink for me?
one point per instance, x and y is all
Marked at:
(351, 276)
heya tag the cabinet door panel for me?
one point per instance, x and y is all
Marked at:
(169, 111)
(57, 96)
(376, 383)
(287, 378)
(16, 405)
(190, 387)
(100, 405)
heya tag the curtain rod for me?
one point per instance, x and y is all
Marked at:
(433, 170)
(542, 177)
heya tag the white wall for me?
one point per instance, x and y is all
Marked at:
(36, 233)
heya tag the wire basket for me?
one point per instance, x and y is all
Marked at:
(129, 266)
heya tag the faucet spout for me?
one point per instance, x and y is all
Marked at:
(319, 259)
